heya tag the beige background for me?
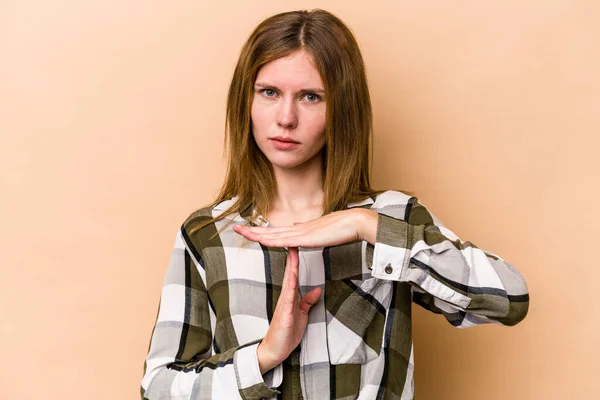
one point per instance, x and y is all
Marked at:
(111, 121)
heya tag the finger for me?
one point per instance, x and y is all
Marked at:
(264, 238)
(284, 286)
(267, 229)
(310, 299)
(281, 237)
(301, 238)
(295, 272)
(254, 237)
(286, 274)
(292, 241)
(273, 234)
(291, 296)
(285, 317)
(293, 266)
(278, 232)
(267, 239)
(253, 230)
(293, 262)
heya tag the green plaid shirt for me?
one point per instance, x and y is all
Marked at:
(220, 291)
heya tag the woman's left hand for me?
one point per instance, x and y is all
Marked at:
(329, 230)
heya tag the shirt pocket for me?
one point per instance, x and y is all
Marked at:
(356, 316)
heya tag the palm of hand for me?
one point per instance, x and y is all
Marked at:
(329, 230)
(289, 319)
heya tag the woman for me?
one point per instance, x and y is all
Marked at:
(299, 278)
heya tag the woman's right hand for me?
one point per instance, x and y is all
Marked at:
(289, 319)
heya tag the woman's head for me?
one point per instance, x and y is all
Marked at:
(288, 113)
(338, 120)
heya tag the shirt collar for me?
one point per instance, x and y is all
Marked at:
(225, 204)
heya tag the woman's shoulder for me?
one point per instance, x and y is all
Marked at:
(206, 216)
(393, 203)
(393, 197)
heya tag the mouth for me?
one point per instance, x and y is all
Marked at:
(284, 139)
(284, 143)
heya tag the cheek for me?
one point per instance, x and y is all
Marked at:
(317, 125)
(259, 118)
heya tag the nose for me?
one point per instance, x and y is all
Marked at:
(286, 114)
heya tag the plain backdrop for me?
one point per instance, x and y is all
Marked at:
(111, 134)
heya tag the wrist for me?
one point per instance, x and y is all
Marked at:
(367, 225)
(266, 361)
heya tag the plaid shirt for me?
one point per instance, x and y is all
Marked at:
(220, 292)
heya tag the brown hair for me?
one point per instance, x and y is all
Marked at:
(349, 119)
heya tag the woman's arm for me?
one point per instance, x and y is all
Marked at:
(468, 285)
(181, 362)
(408, 244)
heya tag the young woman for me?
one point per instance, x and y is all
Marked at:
(298, 281)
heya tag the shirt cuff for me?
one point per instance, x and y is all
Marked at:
(391, 253)
(396, 243)
(251, 384)
(274, 377)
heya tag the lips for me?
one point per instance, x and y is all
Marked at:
(284, 139)
(283, 143)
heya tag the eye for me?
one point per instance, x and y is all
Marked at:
(269, 92)
(312, 97)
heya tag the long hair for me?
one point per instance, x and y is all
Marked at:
(349, 119)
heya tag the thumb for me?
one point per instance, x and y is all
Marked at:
(309, 300)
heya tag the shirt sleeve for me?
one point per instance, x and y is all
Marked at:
(468, 285)
(181, 363)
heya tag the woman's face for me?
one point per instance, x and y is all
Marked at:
(288, 111)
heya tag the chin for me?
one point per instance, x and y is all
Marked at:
(286, 164)
(291, 163)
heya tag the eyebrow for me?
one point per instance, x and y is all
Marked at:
(267, 86)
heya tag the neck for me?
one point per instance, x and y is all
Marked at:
(299, 189)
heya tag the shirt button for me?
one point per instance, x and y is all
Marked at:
(388, 269)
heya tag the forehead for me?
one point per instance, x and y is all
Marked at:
(293, 71)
